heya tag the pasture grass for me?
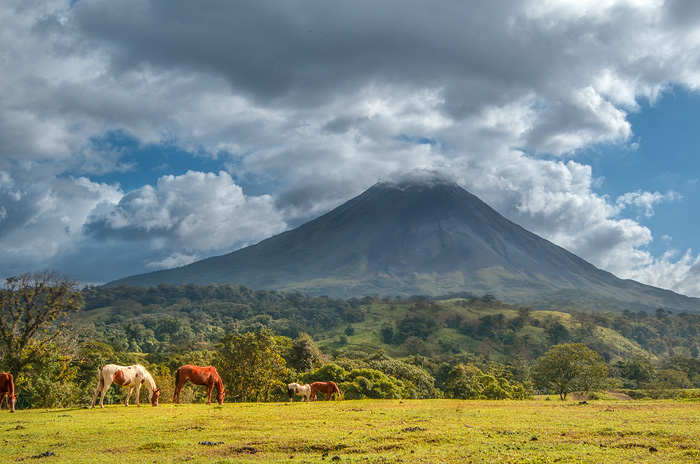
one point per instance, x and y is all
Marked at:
(377, 431)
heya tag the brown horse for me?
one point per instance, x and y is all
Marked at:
(199, 376)
(7, 388)
(327, 388)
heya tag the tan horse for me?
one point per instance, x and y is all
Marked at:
(199, 376)
(327, 388)
(131, 377)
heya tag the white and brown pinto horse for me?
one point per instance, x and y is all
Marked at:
(7, 388)
(131, 377)
(199, 376)
(302, 390)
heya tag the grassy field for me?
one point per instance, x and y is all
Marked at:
(358, 431)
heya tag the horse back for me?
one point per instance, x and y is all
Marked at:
(196, 374)
(120, 378)
(7, 383)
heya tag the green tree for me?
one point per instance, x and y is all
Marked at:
(48, 382)
(30, 304)
(371, 383)
(570, 367)
(463, 381)
(467, 381)
(251, 365)
(305, 354)
(635, 372)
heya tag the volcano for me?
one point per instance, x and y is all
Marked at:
(427, 237)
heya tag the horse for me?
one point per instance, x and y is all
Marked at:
(126, 376)
(302, 390)
(327, 388)
(7, 388)
(199, 376)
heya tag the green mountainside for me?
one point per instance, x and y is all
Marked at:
(420, 238)
(168, 319)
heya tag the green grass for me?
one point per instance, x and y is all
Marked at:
(360, 431)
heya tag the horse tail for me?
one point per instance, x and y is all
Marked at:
(177, 377)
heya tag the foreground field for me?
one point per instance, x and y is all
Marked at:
(358, 431)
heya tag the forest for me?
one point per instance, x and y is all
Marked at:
(458, 346)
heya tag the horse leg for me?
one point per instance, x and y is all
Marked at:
(105, 386)
(129, 391)
(138, 393)
(210, 387)
(2, 398)
(97, 390)
(178, 387)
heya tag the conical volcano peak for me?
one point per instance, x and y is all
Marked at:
(420, 178)
(420, 233)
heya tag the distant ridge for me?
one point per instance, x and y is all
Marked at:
(420, 236)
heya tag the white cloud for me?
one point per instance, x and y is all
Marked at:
(316, 101)
(196, 213)
(645, 201)
(681, 275)
(43, 217)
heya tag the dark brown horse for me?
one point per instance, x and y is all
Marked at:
(327, 388)
(7, 388)
(199, 376)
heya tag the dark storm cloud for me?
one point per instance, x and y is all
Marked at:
(302, 52)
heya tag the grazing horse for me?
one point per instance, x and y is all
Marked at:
(126, 376)
(7, 388)
(302, 390)
(327, 388)
(199, 376)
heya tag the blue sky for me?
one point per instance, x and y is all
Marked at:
(145, 134)
(665, 157)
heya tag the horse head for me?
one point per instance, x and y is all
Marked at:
(220, 397)
(154, 397)
(11, 400)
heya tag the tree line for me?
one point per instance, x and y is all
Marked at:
(55, 338)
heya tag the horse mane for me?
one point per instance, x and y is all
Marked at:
(147, 377)
(219, 384)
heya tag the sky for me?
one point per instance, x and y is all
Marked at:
(138, 135)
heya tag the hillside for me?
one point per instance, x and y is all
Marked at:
(168, 319)
(420, 238)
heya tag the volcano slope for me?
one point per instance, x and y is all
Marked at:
(420, 238)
